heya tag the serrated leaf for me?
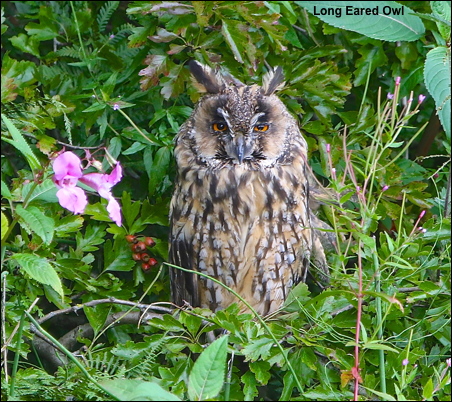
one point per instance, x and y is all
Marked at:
(262, 371)
(5, 191)
(40, 269)
(138, 390)
(18, 141)
(207, 376)
(437, 80)
(442, 10)
(45, 191)
(258, 348)
(68, 224)
(34, 219)
(249, 386)
(167, 323)
(388, 20)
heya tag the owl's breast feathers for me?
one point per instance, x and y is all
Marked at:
(247, 226)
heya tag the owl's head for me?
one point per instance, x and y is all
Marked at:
(239, 124)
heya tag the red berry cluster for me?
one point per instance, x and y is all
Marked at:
(138, 246)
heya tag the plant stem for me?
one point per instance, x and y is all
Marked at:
(16, 357)
(358, 322)
(381, 353)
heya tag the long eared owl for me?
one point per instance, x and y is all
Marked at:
(240, 211)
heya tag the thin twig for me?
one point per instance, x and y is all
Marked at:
(113, 300)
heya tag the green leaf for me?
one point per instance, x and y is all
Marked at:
(379, 346)
(250, 386)
(134, 148)
(427, 392)
(437, 81)
(442, 10)
(5, 191)
(40, 269)
(258, 348)
(18, 141)
(45, 191)
(5, 225)
(167, 323)
(207, 376)
(68, 224)
(35, 220)
(97, 315)
(95, 107)
(159, 168)
(138, 390)
(233, 42)
(388, 20)
(27, 44)
(262, 371)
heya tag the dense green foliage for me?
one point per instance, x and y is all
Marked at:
(111, 78)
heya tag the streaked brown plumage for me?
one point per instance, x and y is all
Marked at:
(240, 210)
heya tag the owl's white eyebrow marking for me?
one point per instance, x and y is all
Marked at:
(225, 115)
(255, 118)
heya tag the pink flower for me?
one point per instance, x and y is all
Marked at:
(405, 362)
(384, 188)
(67, 168)
(390, 95)
(116, 106)
(421, 98)
(103, 183)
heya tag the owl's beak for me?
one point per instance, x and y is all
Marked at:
(239, 148)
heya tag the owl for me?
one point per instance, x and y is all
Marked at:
(240, 211)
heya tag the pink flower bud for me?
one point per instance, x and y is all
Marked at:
(384, 188)
(405, 362)
(397, 81)
(328, 148)
(421, 215)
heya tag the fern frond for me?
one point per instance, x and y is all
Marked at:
(146, 367)
(105, 13)
(69, 51)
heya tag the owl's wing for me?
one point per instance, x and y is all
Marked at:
(184, 285)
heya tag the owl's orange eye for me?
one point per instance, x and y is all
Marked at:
(219, 127)
(261, 127)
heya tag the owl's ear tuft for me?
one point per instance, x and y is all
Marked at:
(206, 79)
(272, 81)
